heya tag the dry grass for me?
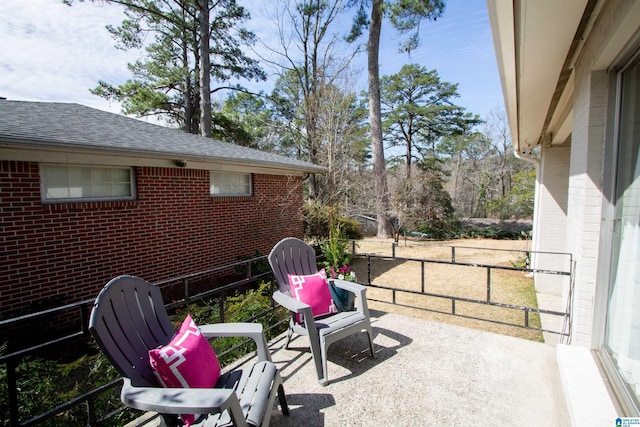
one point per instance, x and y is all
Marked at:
(462, 281)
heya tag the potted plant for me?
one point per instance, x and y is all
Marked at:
(336, 265)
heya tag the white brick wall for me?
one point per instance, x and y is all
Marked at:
(611, 31)
(585, 194)
(551, 220)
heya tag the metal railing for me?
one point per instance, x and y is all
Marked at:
(487, 301)
(13, 359)
(222, 292)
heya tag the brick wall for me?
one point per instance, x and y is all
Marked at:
(585, 195)
(551, 220)
(67, 252)
(594, 70)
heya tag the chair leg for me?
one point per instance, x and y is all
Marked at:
(370, 335)
(284, 406)
(324, 380)
(318, 356)
(289, 335)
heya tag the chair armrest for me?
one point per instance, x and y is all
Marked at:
(249, 330)
(231, 329)
(293, 304)
(182, 400)
(359, 291)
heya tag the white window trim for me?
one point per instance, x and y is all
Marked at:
(43, 187)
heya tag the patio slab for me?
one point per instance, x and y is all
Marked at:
(425, 373)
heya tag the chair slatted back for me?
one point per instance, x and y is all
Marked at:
(291, 256)
(128, 319)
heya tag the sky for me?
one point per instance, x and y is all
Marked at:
(53, 52)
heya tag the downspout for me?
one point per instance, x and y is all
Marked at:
(530, 157)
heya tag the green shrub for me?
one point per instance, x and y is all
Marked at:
(43, 384)
(239, 308)
(318, 219)
(257, 267)
(453, 228)
(441, 228)
(521, 261)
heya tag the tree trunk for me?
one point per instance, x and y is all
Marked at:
(312, 137)
(188, 97)
(408, 160)
(377, 147)
(456, 181)
(205, 71)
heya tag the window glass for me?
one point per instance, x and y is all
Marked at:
(230, 184)
(622, 341)
(57, 182)
(73, 183)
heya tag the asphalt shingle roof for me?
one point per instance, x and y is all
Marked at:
(76, 126)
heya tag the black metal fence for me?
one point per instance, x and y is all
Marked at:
(488, 301)
(185, 285)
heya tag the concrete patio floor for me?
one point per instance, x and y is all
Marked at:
(428, 373)
(425, 373)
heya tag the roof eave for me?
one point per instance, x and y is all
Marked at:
(501, 17)
(131, 157)
(536, 45)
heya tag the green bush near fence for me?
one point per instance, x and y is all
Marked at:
(239, 308)
(45, 383)
(318, 220)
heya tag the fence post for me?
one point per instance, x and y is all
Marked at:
(221, 306)
(91, 412)
(12, 389)
(187, 298)
(422, 278)
(488, 284)
(84, 319)
(393, 249)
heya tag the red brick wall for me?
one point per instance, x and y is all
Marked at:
(68, 251)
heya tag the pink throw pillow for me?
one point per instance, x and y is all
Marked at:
(188, 361)
(314, 291)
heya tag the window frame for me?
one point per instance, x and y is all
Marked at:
(48, 200)
(626, 397)
(213, 174)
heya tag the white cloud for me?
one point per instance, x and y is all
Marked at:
(54, 52)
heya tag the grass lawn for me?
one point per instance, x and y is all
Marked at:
(507, 287)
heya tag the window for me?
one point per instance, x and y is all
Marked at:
(622, 332)
(86, 183)
(230, 184)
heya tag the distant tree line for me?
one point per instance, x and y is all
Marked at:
(404, 153)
